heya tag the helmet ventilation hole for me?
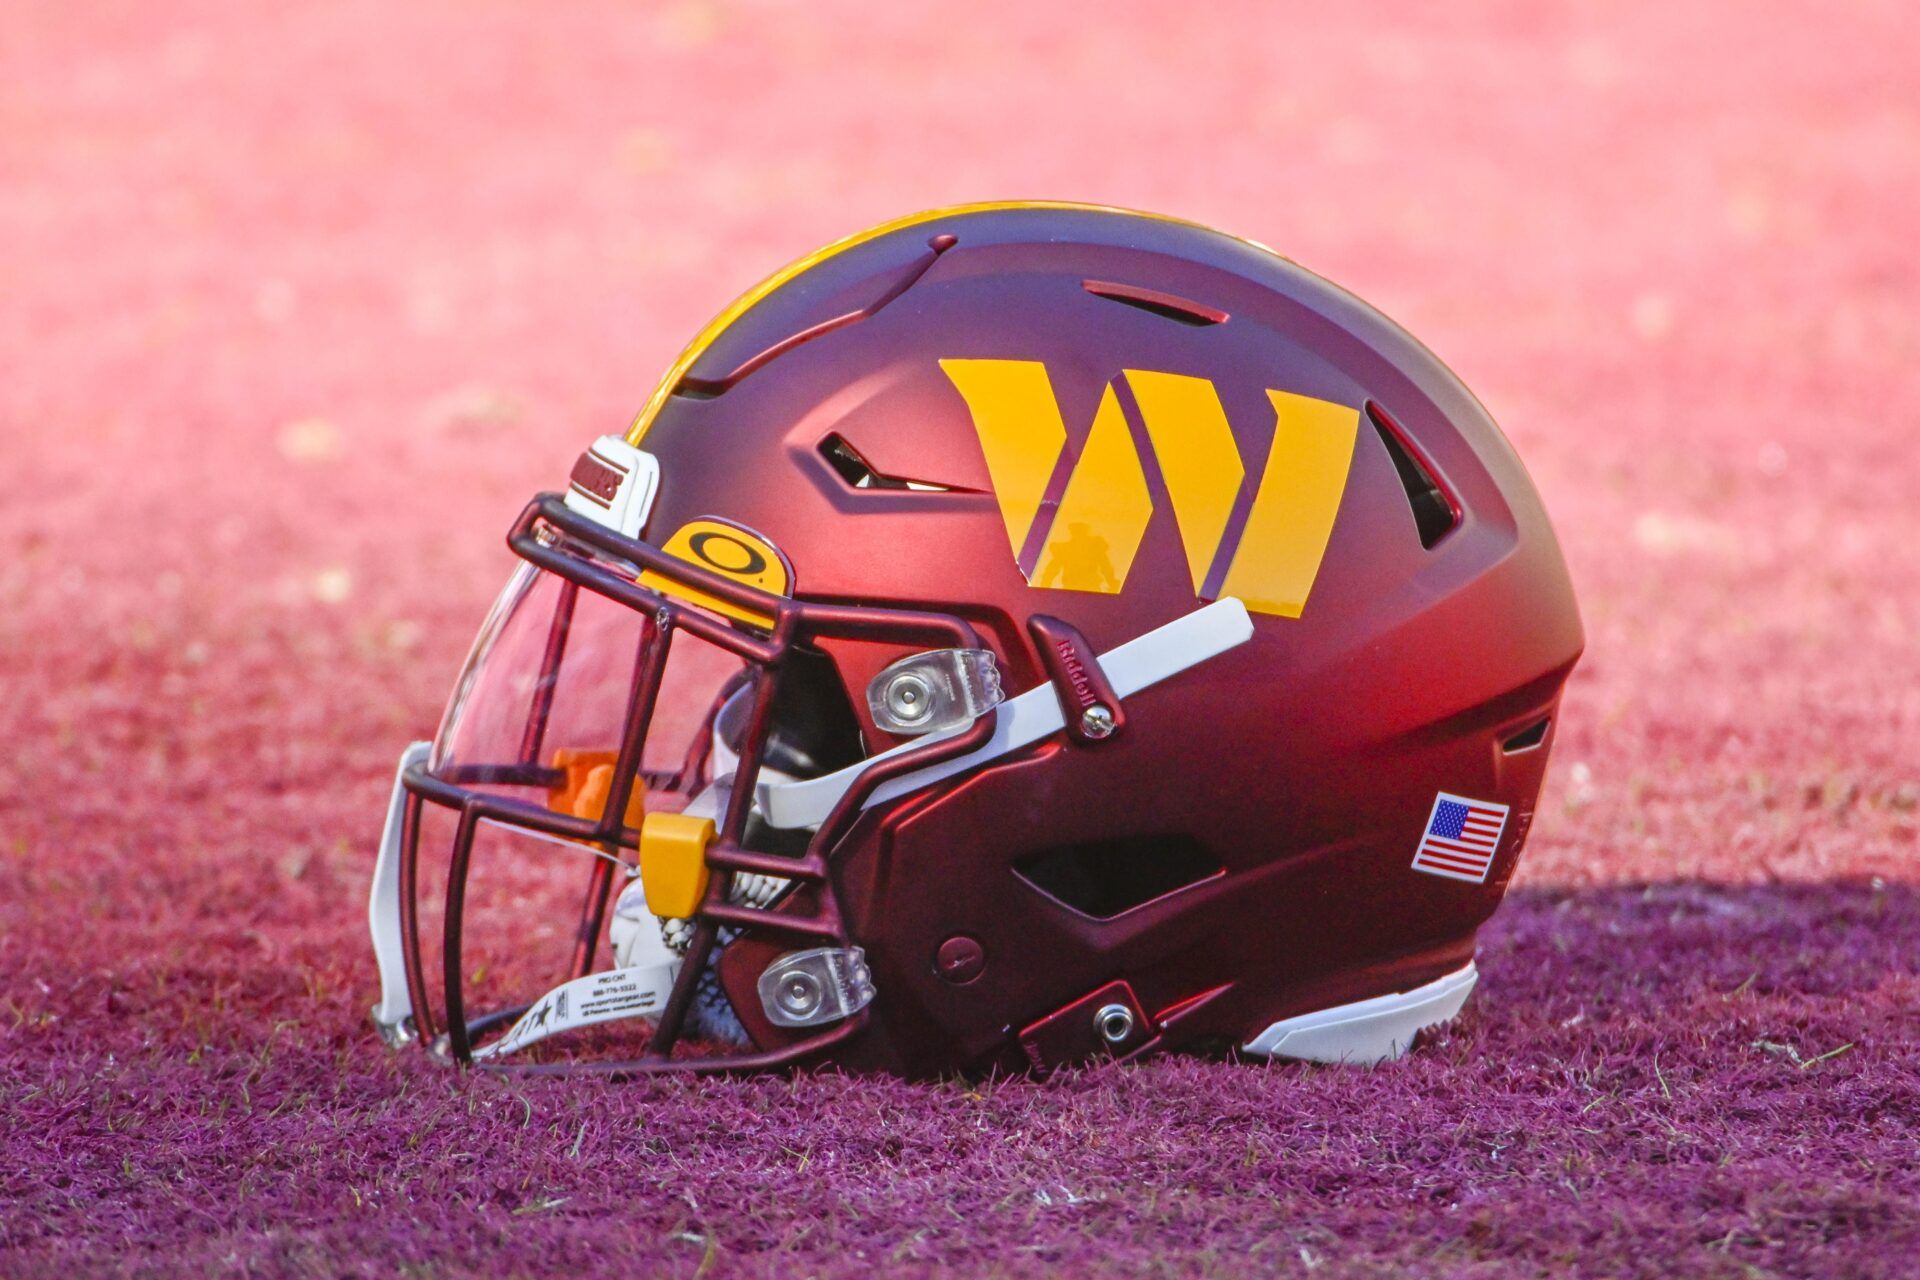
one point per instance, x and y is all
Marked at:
(1435, 512)
(858, 472)
(1528, 738)
(1168, 306)
(1104, 878)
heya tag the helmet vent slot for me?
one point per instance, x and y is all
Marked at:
(858, 472)
(1104, 878)
(1528, 738)
(1435, 512)
(1168, 306)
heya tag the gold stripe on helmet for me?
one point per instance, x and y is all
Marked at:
(752, 297)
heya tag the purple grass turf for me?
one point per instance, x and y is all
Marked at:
(1677, 1079)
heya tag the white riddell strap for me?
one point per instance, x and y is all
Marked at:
(1138, 664)
(599, 997)
(394, 1014)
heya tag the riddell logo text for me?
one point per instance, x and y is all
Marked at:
(1076, 521)
(1076, 673)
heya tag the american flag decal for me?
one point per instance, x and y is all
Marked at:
(1461, 838)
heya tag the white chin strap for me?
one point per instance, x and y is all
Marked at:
(647, 965)
(636, 992)
(1140, 663)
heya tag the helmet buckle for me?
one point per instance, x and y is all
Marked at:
(1107, 1022)
(1088, 703)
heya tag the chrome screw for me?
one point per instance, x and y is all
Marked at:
(800, 994)
(909, 699)
(1097, 722)
(1115, 1022)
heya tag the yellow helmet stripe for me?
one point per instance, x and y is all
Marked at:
(746, 301)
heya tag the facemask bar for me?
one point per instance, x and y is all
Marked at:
(540, 536)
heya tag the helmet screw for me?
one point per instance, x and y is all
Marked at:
(1096, 721)
(1115, 1022)
(960, 959)
(800, 994)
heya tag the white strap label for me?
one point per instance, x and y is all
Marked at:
(598, 997)
(613, 484)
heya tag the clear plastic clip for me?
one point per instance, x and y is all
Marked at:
(940, 689)
(809, 988)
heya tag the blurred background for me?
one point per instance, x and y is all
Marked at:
(299, 303)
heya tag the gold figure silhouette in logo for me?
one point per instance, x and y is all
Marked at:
(1080, 561)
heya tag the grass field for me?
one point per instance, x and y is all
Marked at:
(299, 304)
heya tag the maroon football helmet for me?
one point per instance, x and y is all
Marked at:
(1013, 636)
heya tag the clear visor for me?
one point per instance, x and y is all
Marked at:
(540, 709)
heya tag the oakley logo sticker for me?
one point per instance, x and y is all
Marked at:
(1085, 538)
(727, 552)
(725, 548)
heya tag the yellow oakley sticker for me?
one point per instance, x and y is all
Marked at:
(722, 547)
(1088, 542)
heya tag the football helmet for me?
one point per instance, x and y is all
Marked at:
(1011, 637)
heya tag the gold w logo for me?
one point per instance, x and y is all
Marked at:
(1087, 539)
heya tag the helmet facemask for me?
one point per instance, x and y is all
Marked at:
(599, 763)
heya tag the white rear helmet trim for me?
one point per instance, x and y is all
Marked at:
(1367, 1031)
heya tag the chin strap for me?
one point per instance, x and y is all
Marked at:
(1140, 663)
(633, 992)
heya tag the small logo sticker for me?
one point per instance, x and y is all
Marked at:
(596, 479)
(1461, 838)
(613, 484)
(732, 551)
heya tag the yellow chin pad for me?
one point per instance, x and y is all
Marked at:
(673, 862)
(588, 781)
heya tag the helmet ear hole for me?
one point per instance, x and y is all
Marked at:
(1104, 878)
(814, 728)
